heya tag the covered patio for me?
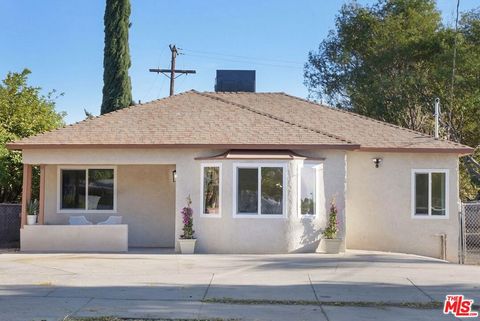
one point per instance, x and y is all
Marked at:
(99, 208)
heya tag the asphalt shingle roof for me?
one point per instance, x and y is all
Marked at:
(237, 120)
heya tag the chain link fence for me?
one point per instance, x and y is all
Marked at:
(9, 225)
(470, 223)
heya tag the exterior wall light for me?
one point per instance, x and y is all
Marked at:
(377, 161)
(174, 175)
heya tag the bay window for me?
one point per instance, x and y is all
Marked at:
(87, 190)
(259, 190)
(429, 193)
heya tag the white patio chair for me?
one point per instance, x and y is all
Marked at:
(79, 220)
(111, 220)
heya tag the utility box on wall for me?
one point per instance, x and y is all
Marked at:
(235, 81)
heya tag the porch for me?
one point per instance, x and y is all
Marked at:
(142, 195)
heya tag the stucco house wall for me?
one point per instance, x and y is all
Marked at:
(374, 203)
(215, 235)
(379, 215)
(229, 234)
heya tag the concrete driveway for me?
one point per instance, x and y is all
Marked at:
(356, 285)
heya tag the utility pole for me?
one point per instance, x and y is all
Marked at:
(170, 73)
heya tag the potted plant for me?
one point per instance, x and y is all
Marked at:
(187, 240)
(32, 211)
(331, 244)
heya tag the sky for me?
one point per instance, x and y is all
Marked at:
(61, 42)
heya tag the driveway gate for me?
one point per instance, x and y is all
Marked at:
(470, 233)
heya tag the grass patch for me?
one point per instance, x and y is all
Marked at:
(411, 305)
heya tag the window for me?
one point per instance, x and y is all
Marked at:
(308, 190)
(259, 190)
(429, 193)
(211, 190)
(87, 190)
(247, 191)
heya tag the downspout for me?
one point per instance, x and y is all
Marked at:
(443, 244)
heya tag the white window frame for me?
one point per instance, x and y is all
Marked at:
(316, 167)
(413, 187)
(86, 210)
(220, 188)
(259, 166)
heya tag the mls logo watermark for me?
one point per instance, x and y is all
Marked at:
(459, 306)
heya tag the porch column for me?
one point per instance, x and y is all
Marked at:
(41, 196)
(26, 191)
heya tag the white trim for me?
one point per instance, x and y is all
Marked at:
(258, 166)
(86, 210)
(220, 188)
(413, 189)
(316, 167)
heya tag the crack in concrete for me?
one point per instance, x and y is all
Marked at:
(79, 309)
(316, 298)
(419, 289)
(204, 296)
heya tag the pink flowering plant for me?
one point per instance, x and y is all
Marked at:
(332, 227)
(187, 217)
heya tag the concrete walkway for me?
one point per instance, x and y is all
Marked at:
(144, 285)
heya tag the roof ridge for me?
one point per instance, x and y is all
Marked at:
(368, 118)
(241, 92)
(205, 94)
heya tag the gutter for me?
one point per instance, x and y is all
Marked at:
(462, 151)
(19, 146)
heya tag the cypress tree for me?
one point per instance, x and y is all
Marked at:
(117, 88)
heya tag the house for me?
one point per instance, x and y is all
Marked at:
(261, 170)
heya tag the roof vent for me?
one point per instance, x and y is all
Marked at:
(235, 80)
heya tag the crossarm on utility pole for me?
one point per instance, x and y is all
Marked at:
(172, 71)
(178, 71)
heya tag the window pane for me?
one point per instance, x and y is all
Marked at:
(438, 193)
(272, 190)
(211, 190)
(421, 194)
(100, 189)
(308, 178)
(247, 190)
(73, 189)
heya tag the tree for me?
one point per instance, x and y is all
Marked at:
(389, 61)
(378, 61)
(117, 88)
(23, 112)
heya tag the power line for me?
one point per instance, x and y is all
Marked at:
(245, 61)
(251, 58)
(454, 62)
